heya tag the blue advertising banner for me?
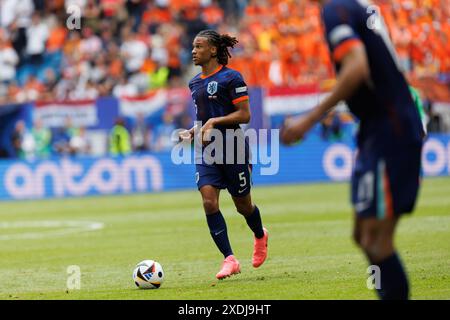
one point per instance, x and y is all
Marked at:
(92, 176)
(312, 160)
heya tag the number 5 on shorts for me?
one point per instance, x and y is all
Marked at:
(242, 179)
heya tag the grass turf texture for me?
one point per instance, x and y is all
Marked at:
(311, 254)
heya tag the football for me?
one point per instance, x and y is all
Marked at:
(148, 274)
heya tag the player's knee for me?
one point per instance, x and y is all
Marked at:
(376, 251)
(367, 244)
(210, 205)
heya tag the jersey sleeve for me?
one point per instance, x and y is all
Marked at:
(237, 88)
(340, 25)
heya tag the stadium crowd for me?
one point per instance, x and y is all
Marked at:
(126, 47)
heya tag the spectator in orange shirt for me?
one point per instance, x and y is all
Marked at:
(213, 15)
(57, 37)
(177, 6)
(111, 8)
(154, 16)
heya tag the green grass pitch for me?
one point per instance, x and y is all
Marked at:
(311, 253)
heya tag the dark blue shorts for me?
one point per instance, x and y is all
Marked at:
(386, 184)
(236, 178)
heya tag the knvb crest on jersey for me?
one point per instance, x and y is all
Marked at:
(212, 87)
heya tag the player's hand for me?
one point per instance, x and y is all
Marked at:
(294, 129)
(185, 135)
(206, 131)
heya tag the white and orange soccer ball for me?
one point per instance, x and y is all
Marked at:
(148, 274)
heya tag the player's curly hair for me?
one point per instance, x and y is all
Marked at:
(222, 42)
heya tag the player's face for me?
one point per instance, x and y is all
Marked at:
(202, 51)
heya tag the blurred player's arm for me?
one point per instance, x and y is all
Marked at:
(354, 71)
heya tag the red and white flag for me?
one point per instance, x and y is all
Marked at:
(145, 105)
(81, 113)
(291, 100)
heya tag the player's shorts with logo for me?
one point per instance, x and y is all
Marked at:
(234, 174)
(236, 178)
(385, 181)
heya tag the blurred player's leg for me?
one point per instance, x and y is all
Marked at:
(383, 189)
(376, 239)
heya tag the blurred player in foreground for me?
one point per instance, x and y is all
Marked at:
(221, 101)
(385, 180)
